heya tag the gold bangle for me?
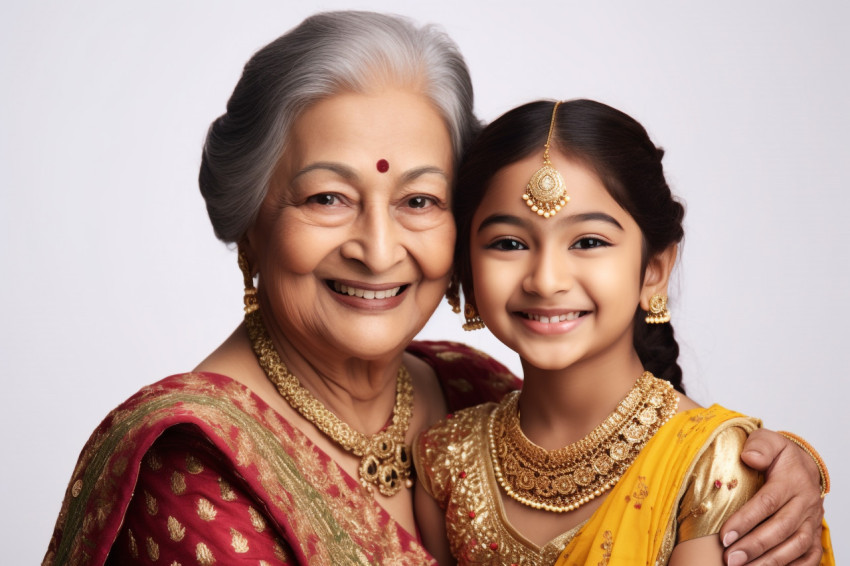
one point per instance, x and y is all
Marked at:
(807, 448)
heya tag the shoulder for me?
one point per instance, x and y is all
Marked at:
(450, 447)
(718, 483)
(467, 376)
(104, 478)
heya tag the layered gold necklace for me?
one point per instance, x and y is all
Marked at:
(384, 456)
(565, 479)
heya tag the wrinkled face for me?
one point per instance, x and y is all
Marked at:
(561, 290)
(354, 240)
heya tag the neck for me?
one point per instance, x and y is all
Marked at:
(559, 407)
(360, 392)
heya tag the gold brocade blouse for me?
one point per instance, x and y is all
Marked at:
(454, 466)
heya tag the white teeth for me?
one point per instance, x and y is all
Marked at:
(365, 293)
(553, 319)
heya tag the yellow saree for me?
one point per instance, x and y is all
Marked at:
(639, 521)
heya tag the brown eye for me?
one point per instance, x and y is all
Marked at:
(507, 245)
(324, 199)
(588, 243)
(420, 202)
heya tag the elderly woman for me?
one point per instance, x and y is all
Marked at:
(332, 171)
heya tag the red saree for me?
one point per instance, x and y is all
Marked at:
(195, 469)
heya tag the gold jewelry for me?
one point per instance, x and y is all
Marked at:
(546, 193)
(473, 320)
(453, 294)
(808, 449)
(250, 297)
(657, 313)
(384, 456)
(565, 479)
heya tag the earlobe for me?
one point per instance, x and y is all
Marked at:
(657, 275)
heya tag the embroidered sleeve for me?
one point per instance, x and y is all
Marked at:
(442, 453)
(468, 376)
(190, 508)
(719, 486)
(428, 455)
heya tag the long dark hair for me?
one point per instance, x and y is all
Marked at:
(618, 149)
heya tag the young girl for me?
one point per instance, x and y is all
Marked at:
(567, 234)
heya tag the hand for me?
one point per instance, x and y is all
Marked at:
(781, 524)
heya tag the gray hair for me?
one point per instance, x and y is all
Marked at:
(326, 54)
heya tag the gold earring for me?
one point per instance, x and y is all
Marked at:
(473, 321)
(657, 313)
(453, 294)
(250, 298)
(546, 193)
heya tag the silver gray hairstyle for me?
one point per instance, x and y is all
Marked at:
(326, 54)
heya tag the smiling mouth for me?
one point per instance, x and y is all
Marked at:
(554, 318)
(369, 294)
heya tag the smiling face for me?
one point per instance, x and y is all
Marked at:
(353, 242)
(562, 290)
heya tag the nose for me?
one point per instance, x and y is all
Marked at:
(375, 239)
(549, 272)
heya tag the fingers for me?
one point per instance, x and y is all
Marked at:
(765, 503)
(798, 550)
(762, 448)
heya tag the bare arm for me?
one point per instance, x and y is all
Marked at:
(781, 524)
(432, 526)
(702, 551)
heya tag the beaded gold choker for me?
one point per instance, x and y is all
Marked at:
(384, 457)
(546, 193)
(565, 479)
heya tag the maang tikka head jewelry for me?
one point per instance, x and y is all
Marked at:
(546, 193)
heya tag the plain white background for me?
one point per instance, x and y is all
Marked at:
(112, 277)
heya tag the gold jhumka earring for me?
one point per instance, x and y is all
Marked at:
(657, 313)
(453, 294)
(250, 298)
(546, 193)
(473, 320)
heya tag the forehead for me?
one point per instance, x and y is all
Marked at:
(389, 121)
(586, 190)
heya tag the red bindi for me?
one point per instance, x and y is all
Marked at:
(383, 165)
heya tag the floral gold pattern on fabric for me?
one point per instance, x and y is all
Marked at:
(176, 531)
(151, 504)
(238, 542)
(153, 460)
(193, 465)
(178, 483)
(563, 480)
(384, 456)
(204, 555)
(227, 493)
(152, 548)
(132, 544)
(257, 520)
(206, 510)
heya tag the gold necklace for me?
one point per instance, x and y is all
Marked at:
(565, 479)
(384, 457)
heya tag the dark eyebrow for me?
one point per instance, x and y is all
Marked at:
(503, 219)
(591, 216)
(572, 219)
